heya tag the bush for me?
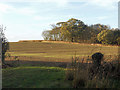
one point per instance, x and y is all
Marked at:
(107, 76)
(76, 73)
(118, 40)
(69, 75)
(106, 37)
(80, 78)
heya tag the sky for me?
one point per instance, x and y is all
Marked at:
(27, 19)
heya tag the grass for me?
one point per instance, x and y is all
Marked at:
(46, 51)
(80, 75)
(34, 77)
(40, 67)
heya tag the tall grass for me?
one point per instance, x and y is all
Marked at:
(108, 75)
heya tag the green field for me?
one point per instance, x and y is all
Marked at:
(42, 64)
(34, 77)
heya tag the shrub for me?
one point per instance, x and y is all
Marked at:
(80, 78)
(107, 75)
(76, 73)
(69, 73)
(118, 40)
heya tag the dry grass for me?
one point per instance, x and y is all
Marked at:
(30, 41)
(59, 54)
(106, 77)
(56, 52)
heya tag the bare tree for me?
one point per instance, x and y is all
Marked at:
(4, 42)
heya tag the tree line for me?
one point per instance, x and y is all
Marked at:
(75, 30)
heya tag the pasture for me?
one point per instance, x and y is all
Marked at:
(43, 64)
(57, 52)
(34, 77)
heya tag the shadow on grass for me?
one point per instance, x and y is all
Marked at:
(35, 74)
(39, 63)
(34, 77)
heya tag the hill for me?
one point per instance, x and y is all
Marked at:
(57, 51)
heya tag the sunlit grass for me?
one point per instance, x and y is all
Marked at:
(42, 76)
(35, 67)
(44, 51)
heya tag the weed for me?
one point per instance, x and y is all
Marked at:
(103, 76)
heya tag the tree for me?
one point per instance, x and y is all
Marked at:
(116, 36)
(46, 35)
(5, 44)
(118, 40)
(72, 30)
(99, 27)
(75, 30)
(55, 32)
(106, 37)
(96, 29)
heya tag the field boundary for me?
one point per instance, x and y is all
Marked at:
(66, 42)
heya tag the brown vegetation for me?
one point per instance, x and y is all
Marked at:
(93, 75)
(30, 41)
(65, 42)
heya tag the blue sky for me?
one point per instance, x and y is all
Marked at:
(27, 20)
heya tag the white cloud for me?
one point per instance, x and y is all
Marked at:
(102, 17)
(58, 2)
(43, 1)
(107, 4)
(25, 11)
(103, 3)
(62, 3)
(4, 8)
(42, 18)
(99, 2)
(36, 25)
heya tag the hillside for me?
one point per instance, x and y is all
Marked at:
(60, 52)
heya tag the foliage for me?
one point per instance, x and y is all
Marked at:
(118, 40)
(95, 30)
(106, 37)
(81, 75)
(5, 44)
(99, 27)
(109, 37)
(72, 30)
(75, 30)
(46, 35)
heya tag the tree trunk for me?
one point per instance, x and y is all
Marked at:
(72, 39)
(0, 50)
(0, 64)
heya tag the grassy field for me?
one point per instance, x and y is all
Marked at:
(34, 77)
(42, 64)
(59, 52)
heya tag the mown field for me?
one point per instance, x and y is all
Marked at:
(42, 64)
(59, 52)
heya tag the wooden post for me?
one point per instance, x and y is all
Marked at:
(0, 63)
